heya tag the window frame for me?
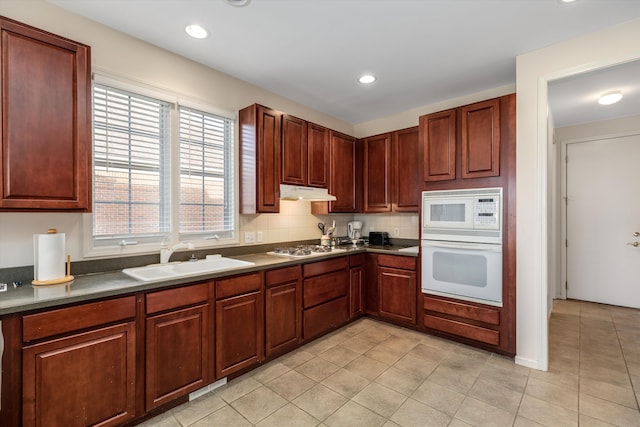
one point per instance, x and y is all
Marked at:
(137, 245)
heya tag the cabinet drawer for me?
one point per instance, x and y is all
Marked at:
(461, 309)
(69, 319)
(476, 333)
(282, 275)
(397, 261)
(316, 268)
(325, 288)
(238, 285)
(325, 317)
(177, 297)
(356, 260)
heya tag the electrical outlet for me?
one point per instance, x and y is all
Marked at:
(259, 236)
(396, 232)
(249, 237)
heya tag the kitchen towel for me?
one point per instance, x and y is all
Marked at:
(49, 256)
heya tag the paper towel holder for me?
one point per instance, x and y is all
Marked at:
(68, 278)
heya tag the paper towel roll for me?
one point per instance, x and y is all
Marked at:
(48, 256)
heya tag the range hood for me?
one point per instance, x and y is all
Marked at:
(309, 194)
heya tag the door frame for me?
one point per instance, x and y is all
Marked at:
(561, 288)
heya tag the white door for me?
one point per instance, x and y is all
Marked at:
(603, 212)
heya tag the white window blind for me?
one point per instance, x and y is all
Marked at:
(131, 158)
(206, 173)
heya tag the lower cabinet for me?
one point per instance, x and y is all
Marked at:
(84, 378)
(356, 284)
(283, 310)
(178, 342)
(239, 323)
(467, 320)
(397, 288)
(325, 296)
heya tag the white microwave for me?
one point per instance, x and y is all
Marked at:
(470, 215)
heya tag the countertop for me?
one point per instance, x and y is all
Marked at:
(93, 286)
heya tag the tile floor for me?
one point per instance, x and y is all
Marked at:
(373, 374)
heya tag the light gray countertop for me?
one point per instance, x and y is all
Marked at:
(94, 286)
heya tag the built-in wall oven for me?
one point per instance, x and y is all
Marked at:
(462, 244)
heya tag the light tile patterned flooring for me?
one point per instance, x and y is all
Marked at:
(373, 374)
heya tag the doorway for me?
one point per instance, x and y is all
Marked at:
(602, 213)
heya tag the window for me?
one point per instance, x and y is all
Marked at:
(206, 173)
(135, 137)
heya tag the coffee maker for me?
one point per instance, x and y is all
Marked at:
(354, 230)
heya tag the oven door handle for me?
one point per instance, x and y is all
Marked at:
(463, 245)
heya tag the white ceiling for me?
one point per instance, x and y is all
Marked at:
(312, 51)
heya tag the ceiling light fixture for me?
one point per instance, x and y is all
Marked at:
(238, 3)
(367, 79)
(610, 98)
(196, 31)
(566, 1)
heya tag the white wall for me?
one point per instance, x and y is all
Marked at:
(534, 70)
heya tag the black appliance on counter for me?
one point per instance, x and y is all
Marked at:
(379, 238)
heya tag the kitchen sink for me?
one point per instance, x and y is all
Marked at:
(212, 264)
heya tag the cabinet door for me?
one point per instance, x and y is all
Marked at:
(294, 150)
(318, 156)
(397, 289)
(343, 173)
(481, 139)
(176, 354)
(356, 306)
(377, 173)
(282, 318)
(239, 333)
(45, 146)
(406, 171)
(438, 142)
(84, 379)
(260, 140)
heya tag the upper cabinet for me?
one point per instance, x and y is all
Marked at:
(344, 174)
(377, 173)
(391, 181)
(305, 153)
(317, 156)
(45, 147)
(473, 131)
(480, 138)
(260, 140)
(438, 141)
(294, 150)
(406, 170)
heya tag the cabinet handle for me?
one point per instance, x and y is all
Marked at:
(634, 244)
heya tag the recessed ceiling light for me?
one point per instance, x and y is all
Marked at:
(238, 3)
(367, 79)
(566, 1)
(196, 31)
(610, 98)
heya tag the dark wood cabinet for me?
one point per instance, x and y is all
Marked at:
(343, 175)
(438, 143)
(260, 159)
(356, 284)
(377, 173)
(178, 343)
(471, 132)
(325, 296)
(239, 323)
(406, 170)
(317, 156)
(45, 146)
(397, 288)
(283, 310)
(294, 150)
(75, 376)
(480, 139)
